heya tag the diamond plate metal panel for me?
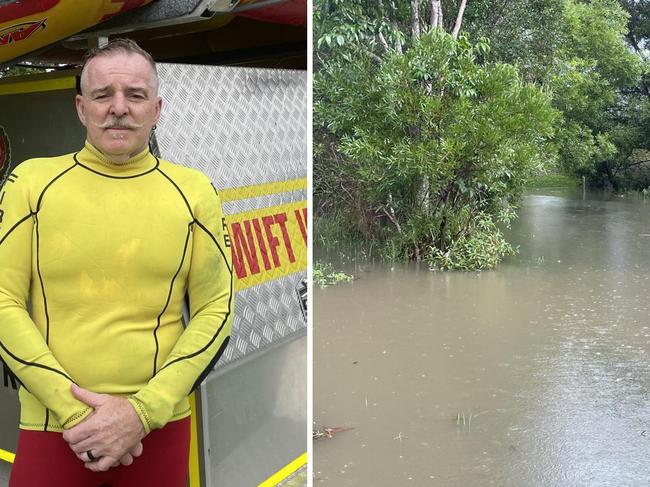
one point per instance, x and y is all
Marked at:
(265, 314)
(242, 127)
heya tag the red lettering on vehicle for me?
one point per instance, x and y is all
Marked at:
(271, 239)
(260, 239)
(281, 219)
(244, 246)
(20, 32)
(302, 222)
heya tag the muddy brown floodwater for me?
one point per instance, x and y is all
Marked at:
(534, 374)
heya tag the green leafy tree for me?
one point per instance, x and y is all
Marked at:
(422, 144)
(578, 51)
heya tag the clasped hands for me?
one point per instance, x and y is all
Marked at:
(112, 433)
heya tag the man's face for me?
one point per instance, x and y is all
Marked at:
(119, 105)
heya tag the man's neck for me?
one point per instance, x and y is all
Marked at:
(118, 159)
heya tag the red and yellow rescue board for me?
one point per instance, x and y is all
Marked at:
(27, 25)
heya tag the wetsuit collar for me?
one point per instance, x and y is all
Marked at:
(91, 158)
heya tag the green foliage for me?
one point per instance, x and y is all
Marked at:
(416, 136)
(20, 71)
(481, 248)
(578, 50)
(333, 230)
(324, 275)
(412, 148)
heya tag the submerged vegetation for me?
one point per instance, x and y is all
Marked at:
(324, 275)
(429, 121)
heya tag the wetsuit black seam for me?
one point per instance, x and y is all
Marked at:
(34, 214)
(38, 204)
(38, 260)
(33, 364)
(169, 295)
(211, 365)
(40, 280)
(202, 227)
(47, 186)
(189, 208)
(214, 337)
(16, 225)
(117, 177)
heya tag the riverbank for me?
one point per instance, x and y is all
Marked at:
(553, 181)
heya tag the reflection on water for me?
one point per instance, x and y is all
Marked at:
(535, 374)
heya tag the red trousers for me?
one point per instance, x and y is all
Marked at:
(44, 459)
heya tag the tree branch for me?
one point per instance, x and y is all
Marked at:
(394, 221)
(383, 42)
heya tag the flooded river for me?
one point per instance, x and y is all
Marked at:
(534, 374)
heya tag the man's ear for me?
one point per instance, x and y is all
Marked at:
(79, 101)
(158, 109)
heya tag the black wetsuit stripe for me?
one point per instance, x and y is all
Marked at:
(117, 177)
(189, 208)
(38, 248)
(40, 280)
(211, 365)
(34, 364)
(216, 243)
(47, 186)
(16, 225)
(195, 220)
(47, 419)
(214, 337)
(169, 295)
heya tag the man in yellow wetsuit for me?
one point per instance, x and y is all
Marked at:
(98, 250)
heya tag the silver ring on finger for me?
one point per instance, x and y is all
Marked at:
(91, 457)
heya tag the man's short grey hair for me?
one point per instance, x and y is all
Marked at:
(117, 46)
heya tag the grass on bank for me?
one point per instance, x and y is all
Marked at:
(553, 181)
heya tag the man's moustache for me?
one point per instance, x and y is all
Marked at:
(118, 124)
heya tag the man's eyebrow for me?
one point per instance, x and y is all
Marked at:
(102, 89)
(136, 89)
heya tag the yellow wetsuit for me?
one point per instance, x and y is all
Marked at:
(95, 262)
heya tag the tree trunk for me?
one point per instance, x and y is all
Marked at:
(459, 19)
(415, 19)
(423, 196)
(393, 23)
(436, 14)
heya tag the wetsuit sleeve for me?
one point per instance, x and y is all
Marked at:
(22, 346)
(211, 300)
